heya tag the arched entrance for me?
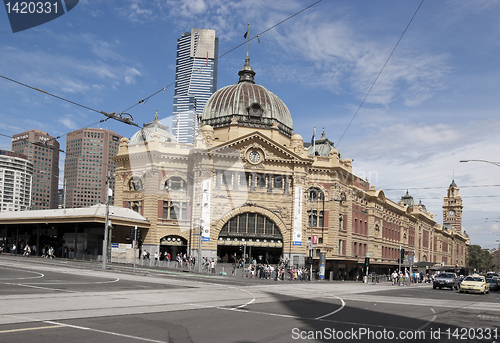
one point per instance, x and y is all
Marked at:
(253, 233)
(174, 245)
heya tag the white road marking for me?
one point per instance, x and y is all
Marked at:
(430, 321)
(105, 332)
(30, 286)
(72, 283)
(337, 310)
(40, 275)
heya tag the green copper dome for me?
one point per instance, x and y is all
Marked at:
(144, 134)
(251, 104)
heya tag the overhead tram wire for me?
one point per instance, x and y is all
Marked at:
(111, 115)
(45, 145)
(227, 52)
(381, 70)
(441, 187)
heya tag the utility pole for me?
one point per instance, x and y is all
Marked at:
(106, 226)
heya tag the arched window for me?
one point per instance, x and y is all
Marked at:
(135, 206)
(315, 194)
(176, 183)
(135, 184)
(251, 225)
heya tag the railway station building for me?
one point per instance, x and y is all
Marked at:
(249, 185)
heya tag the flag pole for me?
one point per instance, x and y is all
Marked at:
(314, 141)
(248, 37)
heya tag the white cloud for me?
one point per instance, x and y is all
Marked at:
(68, 122)
(130, 74)
(136, 11)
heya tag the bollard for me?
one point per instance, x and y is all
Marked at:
(331, 275)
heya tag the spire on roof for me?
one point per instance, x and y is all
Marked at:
(246, 73)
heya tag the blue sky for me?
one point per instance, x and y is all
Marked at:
(435, 103)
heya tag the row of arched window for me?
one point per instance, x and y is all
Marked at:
(175, 183)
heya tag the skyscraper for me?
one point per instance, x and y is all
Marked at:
(42, 150)
(195, 80)
(88, 159)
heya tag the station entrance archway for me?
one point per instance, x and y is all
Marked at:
(174, 245)
(253, 233)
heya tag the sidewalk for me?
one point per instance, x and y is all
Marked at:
(152, 270)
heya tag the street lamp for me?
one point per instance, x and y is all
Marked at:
(490, 162)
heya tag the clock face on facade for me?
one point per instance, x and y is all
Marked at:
(451, 212)
(254, 156)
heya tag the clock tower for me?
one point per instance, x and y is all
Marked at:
(452, 208)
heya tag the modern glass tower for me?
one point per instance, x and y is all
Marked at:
(195, 80)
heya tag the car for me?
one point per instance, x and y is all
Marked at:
(494, 284)
(447, 280)
(475, 284)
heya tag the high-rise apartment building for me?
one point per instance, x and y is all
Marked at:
(88, 160)
(195, 80)
(42, 150)
(16, 177)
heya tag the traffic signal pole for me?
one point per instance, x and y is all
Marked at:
(399, 261)
(134, 243)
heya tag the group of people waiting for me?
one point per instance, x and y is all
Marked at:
(277, 272)
(159, 258)
(405, 278)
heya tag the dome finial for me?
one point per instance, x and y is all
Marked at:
(156, 115)
(247, 36)
(246, 73)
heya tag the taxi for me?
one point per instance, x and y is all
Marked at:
(475, 283)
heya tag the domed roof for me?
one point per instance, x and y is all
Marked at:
(252, 105)
(321, 147)
(407, 200)
(144, 134)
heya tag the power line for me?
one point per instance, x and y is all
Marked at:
(112, 115)
(468, 197)
(441, 187)
(227, 52)
(381, 70)
(45, 145)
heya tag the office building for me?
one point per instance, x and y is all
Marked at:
(195, 80)
(16, 178)
(43, 151)
(88, 160)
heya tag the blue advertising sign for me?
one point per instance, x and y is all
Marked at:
(24, 15)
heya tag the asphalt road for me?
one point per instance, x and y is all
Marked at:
(63, 301)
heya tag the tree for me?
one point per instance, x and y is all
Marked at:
(479, 259)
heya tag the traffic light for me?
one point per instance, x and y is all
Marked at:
(309, 260)
(402, 254)
(241, 248)
(367, 261)
(139, 237)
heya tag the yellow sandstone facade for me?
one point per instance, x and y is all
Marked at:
(250, 185)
